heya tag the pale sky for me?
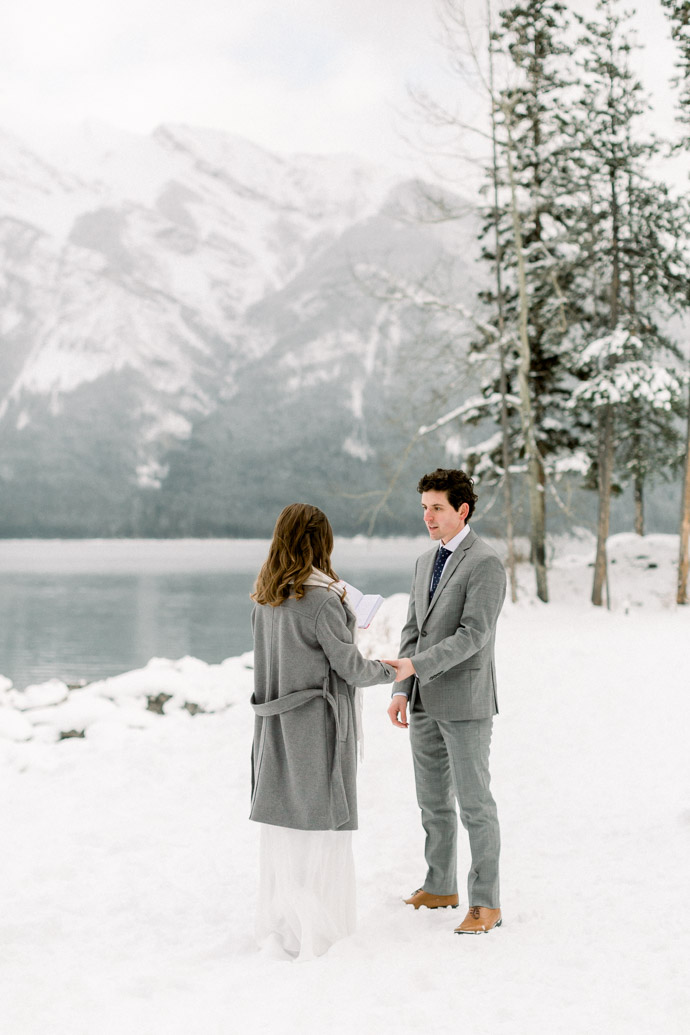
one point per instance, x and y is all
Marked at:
(292, 75)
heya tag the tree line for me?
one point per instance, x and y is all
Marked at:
(587, 248)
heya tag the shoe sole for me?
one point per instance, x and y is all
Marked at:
(424, 906)
(484, 931)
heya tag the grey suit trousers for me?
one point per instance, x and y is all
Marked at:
(451, 761)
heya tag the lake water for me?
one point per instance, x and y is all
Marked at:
(82, 610)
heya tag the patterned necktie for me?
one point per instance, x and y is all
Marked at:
(439, 563)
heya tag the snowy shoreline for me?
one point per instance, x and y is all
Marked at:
(105, 710)
(46, 713)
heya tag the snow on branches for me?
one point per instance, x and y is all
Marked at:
(635, 380)
(622, 373)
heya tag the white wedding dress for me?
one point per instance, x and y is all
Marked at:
(306, 891)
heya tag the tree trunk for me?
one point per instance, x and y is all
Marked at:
(638, 491)
(505, 430)
(606, 419)
(535, 468)
(539, 528)
(605, 464)
(684, 556)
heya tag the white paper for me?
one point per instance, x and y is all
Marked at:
(365, 605)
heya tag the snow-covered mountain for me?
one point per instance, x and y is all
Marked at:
(184, 321)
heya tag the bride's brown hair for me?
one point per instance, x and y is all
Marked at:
(302, 540)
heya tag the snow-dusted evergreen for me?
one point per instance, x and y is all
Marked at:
(523, 241)
(679, 15)
(631, 235)
(589, 261)
(625, 370)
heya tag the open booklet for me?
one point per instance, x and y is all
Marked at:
(365, 605)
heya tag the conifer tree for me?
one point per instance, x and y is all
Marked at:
(648, 438)
(624, 227)
(679, 16)
(524, 233)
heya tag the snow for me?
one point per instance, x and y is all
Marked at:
(648, 382)
(632, 378)
(42, 695)
(130, 868)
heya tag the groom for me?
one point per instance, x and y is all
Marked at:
(447, 675)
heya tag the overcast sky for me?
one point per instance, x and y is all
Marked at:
(314, 75)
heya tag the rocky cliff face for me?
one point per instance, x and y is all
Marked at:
(191, 334)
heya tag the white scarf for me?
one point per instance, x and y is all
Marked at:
(320, 578)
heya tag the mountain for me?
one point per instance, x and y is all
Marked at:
(194, 331)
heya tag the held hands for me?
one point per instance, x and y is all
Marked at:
(397, 709)
(403, 667)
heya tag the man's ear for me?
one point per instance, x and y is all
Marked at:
(463, 511)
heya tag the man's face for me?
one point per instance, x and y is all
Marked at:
(441, 519)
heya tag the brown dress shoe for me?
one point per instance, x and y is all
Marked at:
(479, 920)
(423, 898)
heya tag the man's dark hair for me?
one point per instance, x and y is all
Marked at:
(456, 484)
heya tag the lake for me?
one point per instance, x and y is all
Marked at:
(86, 609)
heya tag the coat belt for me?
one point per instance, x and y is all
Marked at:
(297, 699)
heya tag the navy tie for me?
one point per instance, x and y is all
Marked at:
(439, 563)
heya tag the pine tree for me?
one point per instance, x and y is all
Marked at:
(624, 226)
(501, 323)
(649, 439)
(684, 552)
(524, 233)
(679, 16)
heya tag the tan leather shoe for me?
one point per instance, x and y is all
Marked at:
(480, 920)
(423, 898)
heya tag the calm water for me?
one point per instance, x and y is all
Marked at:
(85, 610)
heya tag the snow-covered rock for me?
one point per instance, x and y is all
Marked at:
(42, 695)
(104, 710)
(13, 725)
(81, 710)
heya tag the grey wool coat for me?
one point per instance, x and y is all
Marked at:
(451, 640)
(306, 668)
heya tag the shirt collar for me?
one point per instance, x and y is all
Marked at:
(453, 543)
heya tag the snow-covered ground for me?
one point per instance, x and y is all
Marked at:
(128, 866)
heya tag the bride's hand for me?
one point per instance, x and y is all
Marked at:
(403, 667)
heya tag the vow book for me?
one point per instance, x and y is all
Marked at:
(365, 605)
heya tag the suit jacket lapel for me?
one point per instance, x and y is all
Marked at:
(426, 566)
(455, 559)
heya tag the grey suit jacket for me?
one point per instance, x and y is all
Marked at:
(306, 666)
(451, 640)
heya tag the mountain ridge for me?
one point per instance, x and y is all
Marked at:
(209, 290)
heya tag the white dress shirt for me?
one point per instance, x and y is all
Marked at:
(453, 544)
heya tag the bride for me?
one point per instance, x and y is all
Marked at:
(304, 795)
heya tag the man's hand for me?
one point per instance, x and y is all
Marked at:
(397, 711)
(403, 667)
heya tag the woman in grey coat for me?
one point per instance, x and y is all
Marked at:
(306, 669)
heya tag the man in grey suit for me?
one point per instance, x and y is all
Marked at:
(447, 675)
